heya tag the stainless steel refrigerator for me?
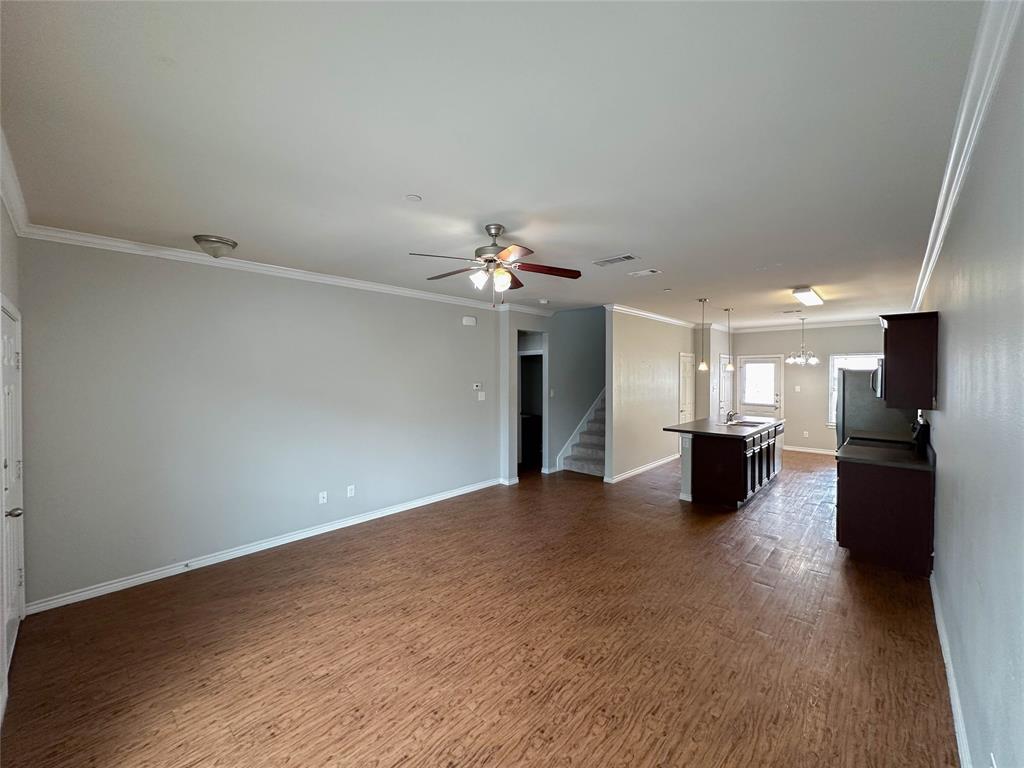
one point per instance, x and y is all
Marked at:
(858, 410)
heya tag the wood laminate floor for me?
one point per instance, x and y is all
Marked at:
(561, 622)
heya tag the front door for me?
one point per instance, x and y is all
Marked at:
(687, 381)
(760, 386)
(12, 572)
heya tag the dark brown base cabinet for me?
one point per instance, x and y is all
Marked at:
(729, 470)
(885, 515)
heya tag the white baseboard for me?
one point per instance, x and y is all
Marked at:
(801, 449)
(575, 436)
(508, 480)
(36, 606)
(954, 694)
(632, 472)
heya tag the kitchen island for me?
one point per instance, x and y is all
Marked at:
(727, 463)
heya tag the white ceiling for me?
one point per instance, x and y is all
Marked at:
(741, 148)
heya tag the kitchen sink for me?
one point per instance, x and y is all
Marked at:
(743, 424)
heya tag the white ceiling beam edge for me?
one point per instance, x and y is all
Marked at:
(995, 31)
(10, 189)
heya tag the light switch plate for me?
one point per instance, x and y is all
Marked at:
(480, 395)
(796, 388)
(351, 491)
(322, 497)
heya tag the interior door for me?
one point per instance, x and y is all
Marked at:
(760, 385)
(687, 383)
(13, 567)
(725, 388)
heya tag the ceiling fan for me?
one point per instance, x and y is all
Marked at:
(498, 264)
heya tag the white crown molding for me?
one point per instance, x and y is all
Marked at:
(15, 204)
(106, 587)
(810, 326)
(10, 188)
(995, 31)
(623, 309)
(525, 310)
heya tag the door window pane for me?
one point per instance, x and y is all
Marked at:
(759, 383)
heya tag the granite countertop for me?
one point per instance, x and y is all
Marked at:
(883, 455)
(715, 428)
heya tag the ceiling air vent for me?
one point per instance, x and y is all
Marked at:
(615, 260)
(644, 272)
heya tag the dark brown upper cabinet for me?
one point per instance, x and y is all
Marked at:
(911, 347)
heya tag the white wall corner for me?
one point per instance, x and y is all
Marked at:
(10, 189)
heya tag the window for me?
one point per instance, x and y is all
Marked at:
(759, 384)
(859, 362)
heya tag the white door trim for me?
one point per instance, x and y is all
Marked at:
(738, 396)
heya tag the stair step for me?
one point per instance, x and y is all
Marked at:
(595, 427)
(585, 467)
(599, 414)
(588, 452)
(592, 438)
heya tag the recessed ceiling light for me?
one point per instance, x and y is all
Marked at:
(414, 198)
(542, 301)
(807, 296)
(215, 245)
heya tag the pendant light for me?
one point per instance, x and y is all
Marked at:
(806, 357)
(728, 319)
(703, 363)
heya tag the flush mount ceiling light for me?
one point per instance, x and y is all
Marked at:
(703, 366)
(728, 319)
(808, 297)
(215, 245)
(806, 357)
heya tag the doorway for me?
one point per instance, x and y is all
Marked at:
(726, 401)
(687, 383)
(531, 402)
(760, 385)
(12, 567)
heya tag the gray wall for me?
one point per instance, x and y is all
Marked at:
(978, 287)
(8, 258)
(643, 390)
(706, 389)
(576, 347)
(175, 410)
(807, 410)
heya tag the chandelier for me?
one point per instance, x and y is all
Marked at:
(806, 357)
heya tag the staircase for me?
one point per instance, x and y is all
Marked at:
(587, 456)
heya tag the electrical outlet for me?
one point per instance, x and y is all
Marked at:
(552, 393)
(322, 498)
(481, 396)
(796, 388)
(806, 433)
(351, 491)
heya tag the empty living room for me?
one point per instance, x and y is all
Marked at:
(464, 384)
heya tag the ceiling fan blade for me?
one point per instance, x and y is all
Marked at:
(514, 253)
(544, 269)
(453, 272)
(435, 256)
(516, 282)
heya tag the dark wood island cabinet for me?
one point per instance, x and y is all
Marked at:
(728, 463)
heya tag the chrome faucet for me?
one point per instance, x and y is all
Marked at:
(731, 415)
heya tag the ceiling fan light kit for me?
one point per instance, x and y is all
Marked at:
(499, 264)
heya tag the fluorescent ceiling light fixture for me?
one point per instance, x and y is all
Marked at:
(808, 297)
